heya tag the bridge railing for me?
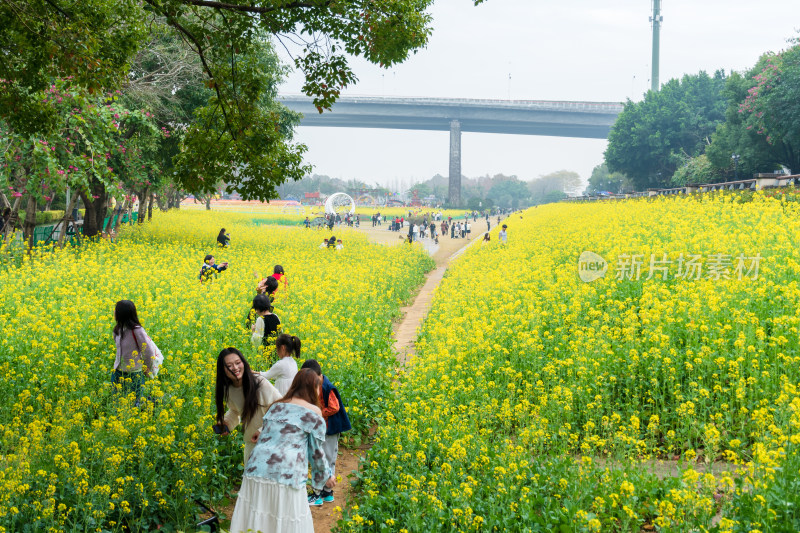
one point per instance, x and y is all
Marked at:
(611, 107)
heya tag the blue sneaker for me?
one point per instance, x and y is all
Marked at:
(327, 496)
(315, 499)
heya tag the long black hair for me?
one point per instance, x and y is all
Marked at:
(126, 317)
(249, 388)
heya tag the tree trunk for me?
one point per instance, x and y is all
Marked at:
(160, 202)
(12, 219)
(142, 204)
(3, 197)
(30, 221)
(66, 220)
(95, 212)
(123, 208)
(150, 207)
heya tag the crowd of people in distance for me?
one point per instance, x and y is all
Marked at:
(435, 224)
(290, 417)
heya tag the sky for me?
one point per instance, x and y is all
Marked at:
(585, 50)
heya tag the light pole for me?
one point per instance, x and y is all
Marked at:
(735, 158)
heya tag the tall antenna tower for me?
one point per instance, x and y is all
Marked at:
(656, 19)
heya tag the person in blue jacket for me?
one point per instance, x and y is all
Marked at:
(335, 415)
(209, 269)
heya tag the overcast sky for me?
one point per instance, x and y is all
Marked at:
(551, 50)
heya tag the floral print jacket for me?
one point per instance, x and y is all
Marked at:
(291, 438)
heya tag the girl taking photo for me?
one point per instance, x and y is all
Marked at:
(246, 394)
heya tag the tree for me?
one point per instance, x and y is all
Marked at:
(650, 138)
(695, 170)
(602, 180)
(771, 107)
(763, 118)
(96, 147)
(235, 138)
(422, 190)
(543, 188)
(88, 42)
(509, 193)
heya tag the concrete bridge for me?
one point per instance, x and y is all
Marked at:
(591, 120)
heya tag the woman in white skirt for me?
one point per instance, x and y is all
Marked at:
(273, 495)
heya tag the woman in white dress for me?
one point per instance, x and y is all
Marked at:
(273, 494)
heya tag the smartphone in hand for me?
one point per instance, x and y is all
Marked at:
(220, 429)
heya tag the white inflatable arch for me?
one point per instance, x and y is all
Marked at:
(340, 203)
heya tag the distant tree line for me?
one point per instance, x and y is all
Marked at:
(478, 193)
(706, 129)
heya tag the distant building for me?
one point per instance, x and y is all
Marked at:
(312, 198)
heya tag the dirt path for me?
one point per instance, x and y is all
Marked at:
(405, 335)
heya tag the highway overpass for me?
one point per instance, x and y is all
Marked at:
(591, 120)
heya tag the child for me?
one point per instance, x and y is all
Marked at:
(210, 269)
(267, 286)
(280, 275)
(284, 371)
(336, 421)
(265, 325)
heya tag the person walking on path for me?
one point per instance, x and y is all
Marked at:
(273, 496)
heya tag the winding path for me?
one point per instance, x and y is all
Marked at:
(405, 335)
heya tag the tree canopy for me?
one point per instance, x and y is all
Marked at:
(651, 138)
(603, 180)
(239, 136)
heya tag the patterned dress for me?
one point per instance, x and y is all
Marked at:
(273, 496)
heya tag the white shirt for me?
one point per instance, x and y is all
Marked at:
(283, 373)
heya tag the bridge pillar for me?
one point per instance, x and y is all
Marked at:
(454, 184)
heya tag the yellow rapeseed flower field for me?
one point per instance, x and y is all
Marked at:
(658, 393)
(75, 457)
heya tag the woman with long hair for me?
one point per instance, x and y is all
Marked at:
(223, 239)
(246, 394)
(135, 351)
(273, 495)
